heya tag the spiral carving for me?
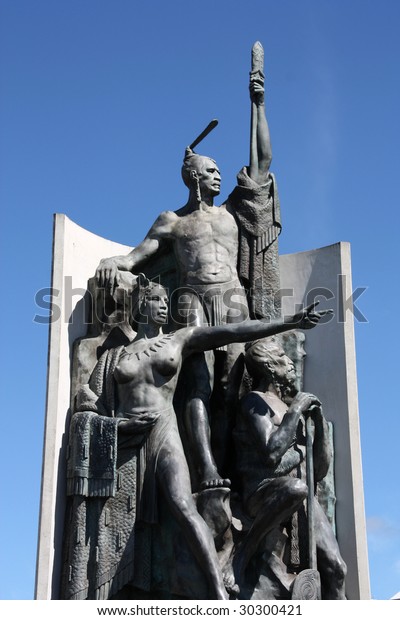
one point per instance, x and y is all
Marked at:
(307, 586)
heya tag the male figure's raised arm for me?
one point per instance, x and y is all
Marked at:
(162, 230)
(260, 142)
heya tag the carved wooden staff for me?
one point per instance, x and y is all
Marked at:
(257, 68)
(307, 584)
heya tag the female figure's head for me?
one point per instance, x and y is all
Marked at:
(149, 302)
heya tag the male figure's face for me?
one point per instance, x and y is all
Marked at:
(282, 368)
(209, 176)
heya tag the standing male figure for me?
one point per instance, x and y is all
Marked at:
(211, 244)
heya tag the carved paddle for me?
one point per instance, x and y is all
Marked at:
(307, 584)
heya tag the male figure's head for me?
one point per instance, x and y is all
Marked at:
(267, 361)
(201, 174)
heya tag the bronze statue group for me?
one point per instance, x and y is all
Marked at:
(189, 471)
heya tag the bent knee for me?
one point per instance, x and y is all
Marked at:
(300, 488)
(296, 489)
(335, 567)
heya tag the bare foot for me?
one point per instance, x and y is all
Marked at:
(231, 586)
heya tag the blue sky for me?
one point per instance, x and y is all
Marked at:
(98, 100)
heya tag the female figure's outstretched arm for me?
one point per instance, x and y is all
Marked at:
(207, 338)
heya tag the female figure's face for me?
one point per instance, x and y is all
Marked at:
(155, 306)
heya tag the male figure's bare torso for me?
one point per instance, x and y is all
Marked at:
(205, 244)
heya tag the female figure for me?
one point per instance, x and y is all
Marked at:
(143, 377)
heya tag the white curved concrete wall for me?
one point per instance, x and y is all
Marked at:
(330, 373)
(76, 254)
